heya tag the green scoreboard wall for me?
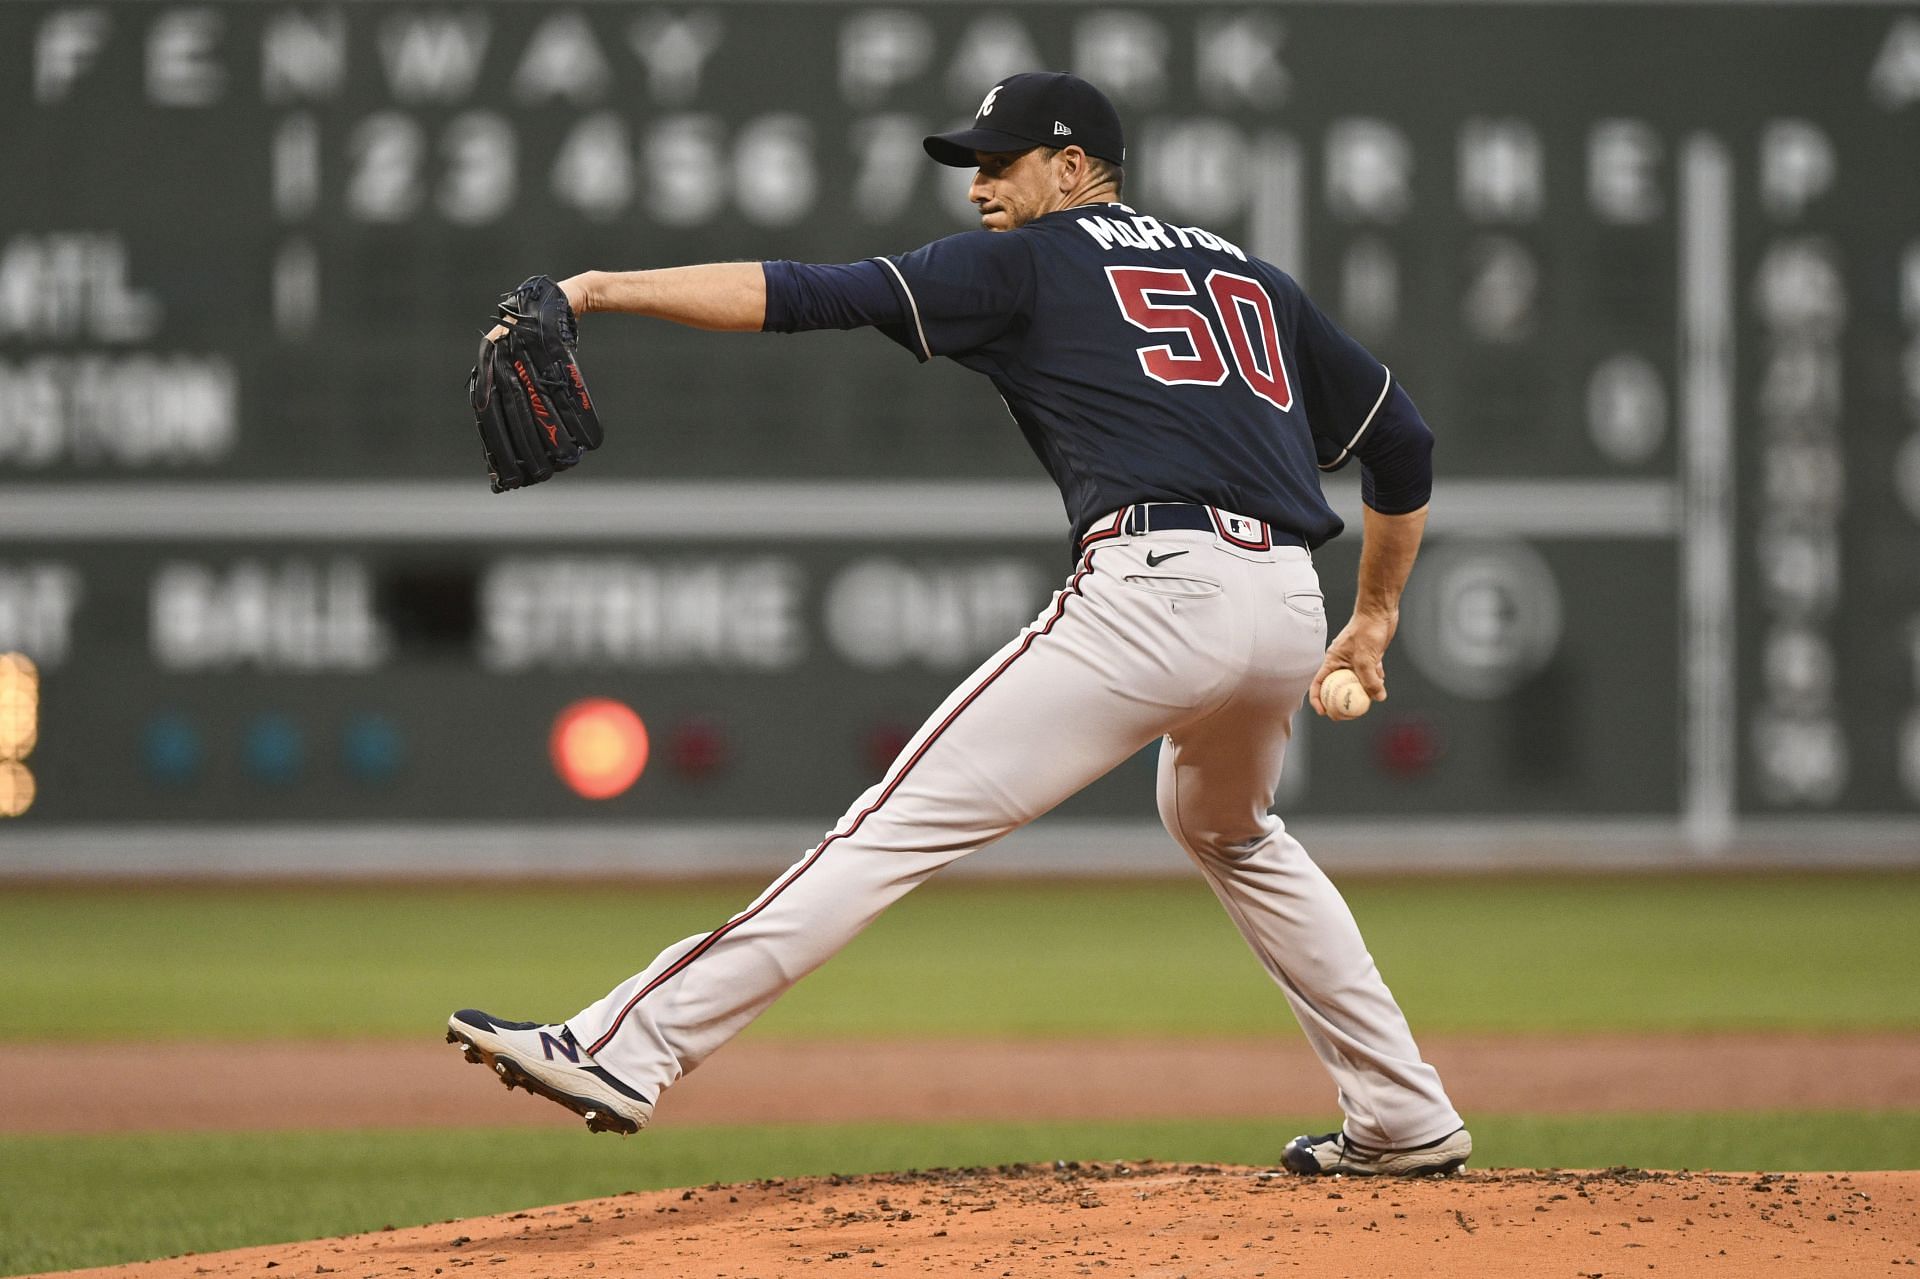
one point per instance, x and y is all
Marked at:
(1652, 272)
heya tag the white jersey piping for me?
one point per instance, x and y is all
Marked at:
(914, 306)
(1347, 452)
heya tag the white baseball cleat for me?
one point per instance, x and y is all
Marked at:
(548, 1061)
(1334, 1155)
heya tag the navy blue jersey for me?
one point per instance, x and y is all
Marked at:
(1145, 361)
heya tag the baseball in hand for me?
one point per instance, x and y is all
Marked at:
(1343, 696)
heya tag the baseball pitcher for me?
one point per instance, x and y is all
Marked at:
(1185, 397)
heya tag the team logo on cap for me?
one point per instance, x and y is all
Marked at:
(986, 105)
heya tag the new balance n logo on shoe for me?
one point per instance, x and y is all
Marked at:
(568, 1048)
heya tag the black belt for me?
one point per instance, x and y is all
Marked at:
(1159, 517)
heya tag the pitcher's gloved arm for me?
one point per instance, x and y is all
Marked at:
(853, 295)
(1389, 546)
(722, 296)
(775, 296)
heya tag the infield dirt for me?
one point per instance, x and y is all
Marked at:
(1152, 1219)
(125, 1087)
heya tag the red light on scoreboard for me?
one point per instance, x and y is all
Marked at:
(883, 743)
(697, 749)
(599, 747)
(1407, 748)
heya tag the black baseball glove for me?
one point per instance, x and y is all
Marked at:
(529, 400)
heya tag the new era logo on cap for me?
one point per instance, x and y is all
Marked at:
(1036, 108)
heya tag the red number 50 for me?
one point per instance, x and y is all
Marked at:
(1245, 313)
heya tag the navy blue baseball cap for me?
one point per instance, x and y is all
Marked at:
(1036, 109)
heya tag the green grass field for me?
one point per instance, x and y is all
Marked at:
(1660, 953)
(1803, 953)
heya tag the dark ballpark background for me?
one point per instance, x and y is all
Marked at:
(1653, 272)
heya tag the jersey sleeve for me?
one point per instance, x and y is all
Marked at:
(1396, 458)
(961, 293)
(802, 297)
(1345, 385)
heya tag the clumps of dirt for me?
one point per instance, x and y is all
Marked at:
(1095, 1220)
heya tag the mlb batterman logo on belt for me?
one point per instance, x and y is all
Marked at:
(1151, 366)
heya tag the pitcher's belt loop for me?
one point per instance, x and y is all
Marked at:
(1157, 517)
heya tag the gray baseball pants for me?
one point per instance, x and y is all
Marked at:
(1212, 649)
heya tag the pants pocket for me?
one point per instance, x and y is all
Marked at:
(1306, 603)
(1178, 587)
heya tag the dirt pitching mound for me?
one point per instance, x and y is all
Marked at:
(1155, 1219)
